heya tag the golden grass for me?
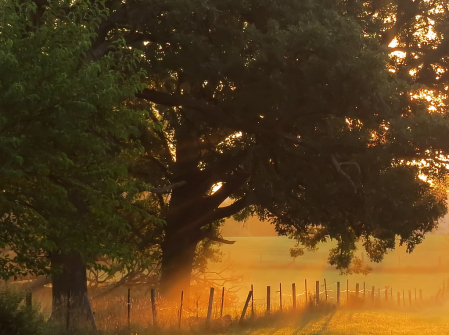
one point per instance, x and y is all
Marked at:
(354, 322)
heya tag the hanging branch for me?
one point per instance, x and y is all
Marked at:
(340, 171)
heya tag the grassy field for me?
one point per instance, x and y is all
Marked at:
(355, 322)
(263, 261)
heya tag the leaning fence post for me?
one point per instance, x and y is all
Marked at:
(415, 295)
(399, 299)
(250, 294)
(209, 308)
(403, 297)
(252, 300)
(153, 307)
(338, 293)
(325, 289)
(364, 291)
(386, 293)
(317, 295)
(372, 293)
(294, 295)
(357, 287)
(280, 296)
(180, 309)
(268, 298)
(410, 297)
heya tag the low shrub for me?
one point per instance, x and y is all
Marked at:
(18, 319)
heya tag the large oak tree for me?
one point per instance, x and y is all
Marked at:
(295, 111)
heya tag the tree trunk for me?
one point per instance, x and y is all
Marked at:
(70, 280)
(178, 254)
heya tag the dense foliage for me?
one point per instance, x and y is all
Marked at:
(16, 318)
(296, 110)
(64, 141)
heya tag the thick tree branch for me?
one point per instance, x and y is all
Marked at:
(219, 239)
(234, 208)
(167, 188)
(406, 11)
(226, 190)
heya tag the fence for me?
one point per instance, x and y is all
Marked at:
(151, 311)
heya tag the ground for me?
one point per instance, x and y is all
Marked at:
(356, 322)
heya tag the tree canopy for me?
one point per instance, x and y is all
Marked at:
(296, 111)
(314, 115)
(65, 139)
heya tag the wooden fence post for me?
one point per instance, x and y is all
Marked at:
(378, 292)
(280, 296)
(294, 295)
(410, 297)
(325, 289)
(129, 307)
(357, 287)
(209, 307)
(338, 293)
(153, 307)
(415, 295)
(364, 291)
(222, 303)
(420, 295)
(268, 298)
(372, 293)
(399, 299)
(317, 294)
(250, 294)
(347, 290)
(403, 297)
(386, 293)
(252, 300)
(305, 286)
(180, 309)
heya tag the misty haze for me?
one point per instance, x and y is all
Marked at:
(238, 167)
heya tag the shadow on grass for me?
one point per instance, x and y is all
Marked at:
(268, 324)
(296, 320)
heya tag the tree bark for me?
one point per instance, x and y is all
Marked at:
(70, 279)
(178, 254)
